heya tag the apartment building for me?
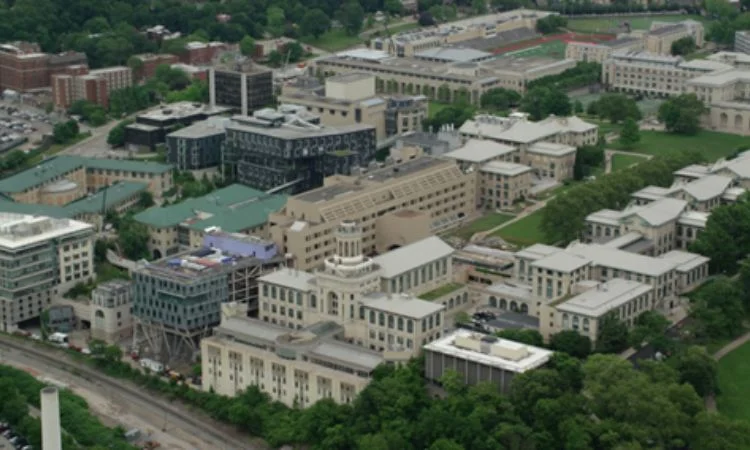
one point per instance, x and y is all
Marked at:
(438, 80)
(149, 62)
(395, 205)
(44, 257)
(111, 316)
(24, 68)
(652, 74)
(601, 51)
(233, 209)
(350, 98)
(662, 35)
(177, 300)
(90, 85)
(480, 358)
(61, 180)
(339, 312)
(548, 146)
(242, 86)
(409, 43)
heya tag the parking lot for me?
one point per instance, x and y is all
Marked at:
(18, 121)
(11, 440)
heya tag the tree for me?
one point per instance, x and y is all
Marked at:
(530, 337)
(630, 134)
(479, 6)
(682, 114)
(146, 199)
(718, 311)
(699, 369)
(315, 22)
(133, 239)
(615, 108)
(551, 24)
(718, 432)
(724, 239)
(572, 343)
(393, 7)
(683, 46)
(540, 102)
(351, 15)
(588, 158)
(454, 115)
(578, 107)
(499, 99)
(649, 327)
(612, 336)
(116, 136)
(64, 132)
(426, 19)
(275, 20)
(247, 46)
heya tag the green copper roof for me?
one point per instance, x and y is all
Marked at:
(233, 208)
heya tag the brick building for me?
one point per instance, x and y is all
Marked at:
(150, 61)
(201, 53)
(23, 67)
(94, 86)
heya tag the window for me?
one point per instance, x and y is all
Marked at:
(313, 301)
(410, 326)
(381, 319)
(401, 324)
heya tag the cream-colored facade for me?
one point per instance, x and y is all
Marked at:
(408, 43)
(575, 287)
(654, 75)
(547, 146)
(350, 98)
(662, 35)
(601, 51)
(395, 205)
(344, 299)
(726, 93)
(502, 184)
(440, 81)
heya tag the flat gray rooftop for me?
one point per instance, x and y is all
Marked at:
(666, 29)
(350, 77)
(328, 192)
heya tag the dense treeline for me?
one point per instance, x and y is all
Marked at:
(564, 216)
(582, 75)
(18, 390)
(602, 403)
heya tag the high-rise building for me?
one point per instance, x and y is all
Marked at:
(241, 86)
(44, 257)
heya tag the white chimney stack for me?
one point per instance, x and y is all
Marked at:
(51, 438)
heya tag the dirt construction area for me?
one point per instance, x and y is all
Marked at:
(549, 46)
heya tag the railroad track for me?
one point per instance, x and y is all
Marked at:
(226, 442)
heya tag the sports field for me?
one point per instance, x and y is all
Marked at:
(548, 46)
(617, 24)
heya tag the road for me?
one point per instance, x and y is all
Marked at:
(118, 402)
(96, 146)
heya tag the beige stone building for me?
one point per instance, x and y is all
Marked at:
(350, 98)
(601, 51)
(353, 310)
(502, 184)
(395, 205)
(589, 281)
(548, 146)
(652, 74)
(61, 180)
(110, 312)
(442, 81)
(726, 93)
(408, 43)
(662, 35)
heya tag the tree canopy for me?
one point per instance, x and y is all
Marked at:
(682, 114)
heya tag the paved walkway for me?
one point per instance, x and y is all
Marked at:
(722, 352)
(478, 236)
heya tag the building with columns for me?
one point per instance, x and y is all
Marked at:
(320, 334)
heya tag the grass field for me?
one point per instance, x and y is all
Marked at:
(734, 383)
(620, 161)
(334, 40)
(609, 24)
(435, 107)
(711, 144)
(524, 232)
(483, 223)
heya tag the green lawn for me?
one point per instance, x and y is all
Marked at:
(734, 383)
(711, 144)
(483, 223)
(524, 232)
(334, 41)
(441, 291)
(403, 27)
(608, 24)
(620, 161)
